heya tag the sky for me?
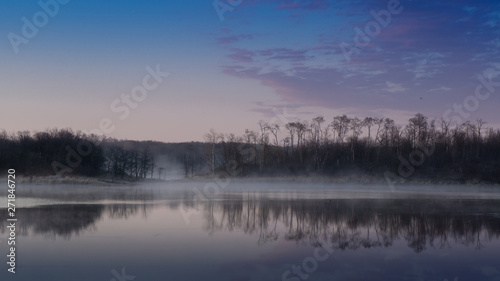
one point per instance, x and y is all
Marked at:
(172, 70)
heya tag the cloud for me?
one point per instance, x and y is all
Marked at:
(286, 54)
(495, 43)
(325, 47)
(425, 65)
(469, 9)
(241, 55)
(394, 87)
(416, 54)
(284, 60)
(441, 89)
(493, 19)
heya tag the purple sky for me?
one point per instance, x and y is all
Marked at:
(228, 69)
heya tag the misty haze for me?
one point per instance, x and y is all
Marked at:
(250, 140)
(258, 230)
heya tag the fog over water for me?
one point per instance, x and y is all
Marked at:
(29, 194)
(255, 231)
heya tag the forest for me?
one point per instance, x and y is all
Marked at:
(376, 148)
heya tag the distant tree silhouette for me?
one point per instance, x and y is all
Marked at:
(467, 152)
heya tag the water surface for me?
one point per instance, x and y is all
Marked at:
(341, 233)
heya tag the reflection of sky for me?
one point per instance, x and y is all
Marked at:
(230, 74)
(154, 243)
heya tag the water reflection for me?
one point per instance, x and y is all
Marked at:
(351, 224)
(66, 220)
(347, 224)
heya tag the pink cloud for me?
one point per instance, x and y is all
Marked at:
(241, 55)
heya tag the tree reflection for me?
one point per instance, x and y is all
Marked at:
(347, 224)
(68, 219)
(353, 224)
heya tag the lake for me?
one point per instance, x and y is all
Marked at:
(254, 231)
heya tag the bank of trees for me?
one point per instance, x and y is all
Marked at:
(67, 152)
(423, 147)
(51, 151)
(124, 162)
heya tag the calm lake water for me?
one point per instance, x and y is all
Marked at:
(267, 232)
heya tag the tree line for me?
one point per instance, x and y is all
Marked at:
(63, 151)
(373, 146)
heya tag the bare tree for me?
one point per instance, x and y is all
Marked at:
(146, 163)
(369, 122)
(274, 129)
(290, 127)
(341, 125)
(479, 125)
(212, 138)
(417, 129)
